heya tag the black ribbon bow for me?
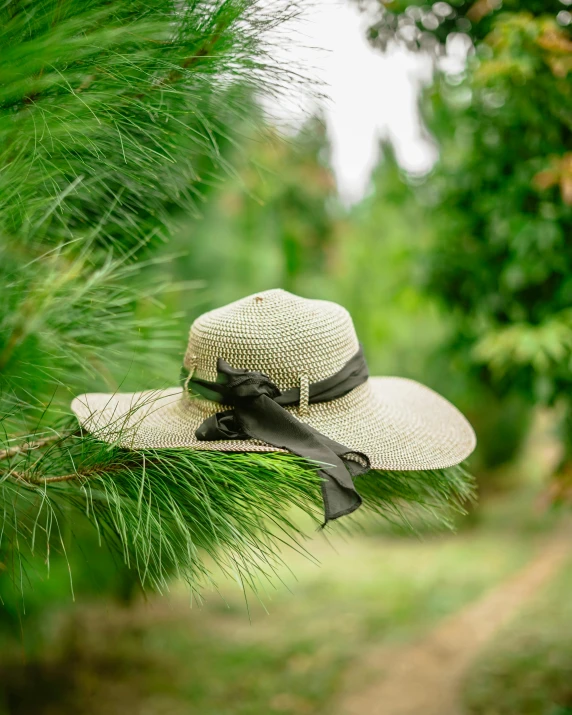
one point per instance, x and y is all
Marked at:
(258, 413)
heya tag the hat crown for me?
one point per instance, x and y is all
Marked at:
(274, 332)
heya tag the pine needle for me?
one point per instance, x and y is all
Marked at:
(175, 511)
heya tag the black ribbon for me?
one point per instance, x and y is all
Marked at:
(258, 413)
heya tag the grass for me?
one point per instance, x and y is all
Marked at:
(528, 667)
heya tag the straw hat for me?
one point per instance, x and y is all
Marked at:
(397, 423)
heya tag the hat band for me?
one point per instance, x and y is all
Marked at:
(258, 413)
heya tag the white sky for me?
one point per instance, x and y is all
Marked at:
(369, 95)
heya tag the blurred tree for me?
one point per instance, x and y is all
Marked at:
(283, 223)
(422, 26)
(500, 197)
(276, 220)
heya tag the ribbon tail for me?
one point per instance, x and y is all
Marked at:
(339, 500)
(265, 420)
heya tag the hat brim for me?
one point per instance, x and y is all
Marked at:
(398, 423)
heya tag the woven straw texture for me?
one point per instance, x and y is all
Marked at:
(398, 423)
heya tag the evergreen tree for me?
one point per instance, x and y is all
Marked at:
(113, 116)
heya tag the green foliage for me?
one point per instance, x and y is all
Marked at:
(543, 347)
(64, 319)
(502, 260)
(272, 222)
(112, 114)
(499, 200)
(420, 26)
(283, 225)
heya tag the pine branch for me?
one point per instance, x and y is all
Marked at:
(27, 446)
(171, 511)
(113, 114)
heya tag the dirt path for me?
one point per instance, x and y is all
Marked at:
(426, 678)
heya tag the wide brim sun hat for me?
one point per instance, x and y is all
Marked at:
(304, 354)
